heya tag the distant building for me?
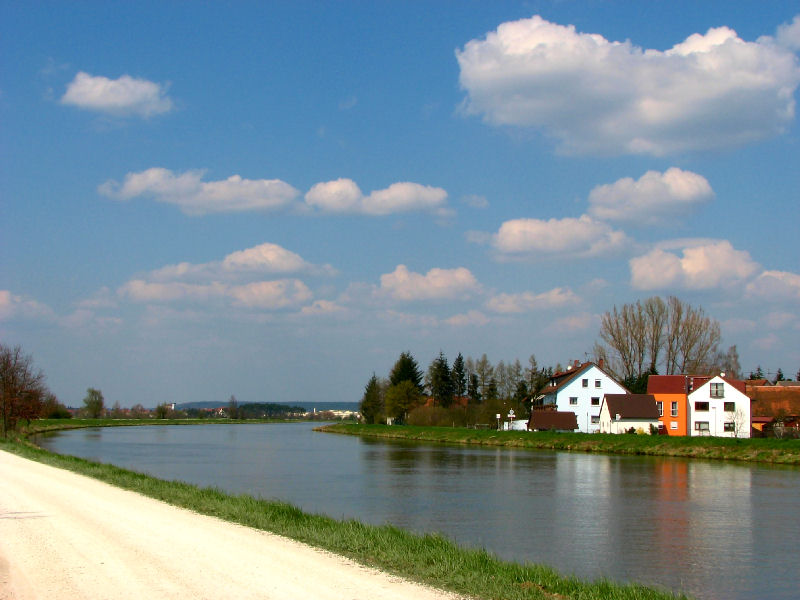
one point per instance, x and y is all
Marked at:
(552, 420)
(620, 413)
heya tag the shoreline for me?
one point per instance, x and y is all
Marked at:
(784, 452)
(431, 560)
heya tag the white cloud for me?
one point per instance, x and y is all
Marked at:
(775, 285)
(14, 306)
(574, 323)
(596, 96)
(472, 318)
(271, 294)
(704, 265)
(196, 197)
(344, 196)
(581, 237)
(120, 97)
(475, 201)
(323, 307)
(651, 199)
(436, 284)
(528, 301)
(789, 34)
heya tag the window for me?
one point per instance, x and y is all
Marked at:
(717, 390)
(728, 427)
(673, 425)
(660, 407)
(701, 426)
(595, 419)
(597, 383)
(595, 401)
(730, 407)
(573, 400)
(701, 406)
(585, 383)
(674, 412)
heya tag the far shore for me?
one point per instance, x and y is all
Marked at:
(761, 450)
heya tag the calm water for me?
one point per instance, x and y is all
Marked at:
(712, 530)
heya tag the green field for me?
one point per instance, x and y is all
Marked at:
(766, 450)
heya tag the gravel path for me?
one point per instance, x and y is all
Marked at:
(64, 535)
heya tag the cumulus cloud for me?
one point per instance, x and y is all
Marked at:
(592, 95)
(196, 197)
(323, 307)
(705, 264)
(472, 318)
(269, 295)
(651, 199)
(436, 284)
(581, 237)
(775, 285)
(15, 306)
(789, 34)
(344, 196)
(528, 301)
(126, 96)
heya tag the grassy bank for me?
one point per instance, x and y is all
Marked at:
(765, 450)
(429, 559)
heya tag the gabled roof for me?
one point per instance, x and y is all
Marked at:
(563, 378)
(686, 384)
(631, 406)
(771, 401)
(553, 420)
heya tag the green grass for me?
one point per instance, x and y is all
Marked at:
(429, 559)
(776, 451)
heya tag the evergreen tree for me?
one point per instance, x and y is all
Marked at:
(459, 376)
(473, 389)
(372, 408)
(401, 398)
(779, 376)
(406, 369)
(440, 381)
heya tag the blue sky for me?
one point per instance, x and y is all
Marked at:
(273, 200)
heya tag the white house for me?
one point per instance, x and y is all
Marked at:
(580, 389)
(720, 408)
(621, 412)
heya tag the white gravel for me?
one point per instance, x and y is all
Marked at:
(64, 535)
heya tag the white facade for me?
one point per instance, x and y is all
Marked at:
(583, 395)
(610, 424)
(717, 408)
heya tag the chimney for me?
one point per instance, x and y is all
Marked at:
(576, 364)
(600, 363)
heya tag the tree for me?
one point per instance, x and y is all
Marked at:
(233, 407)
(162, 410)
(22, 388)
(53, 409)
(440, 381)
(635, 335)
(94, 404)
(406, 369)
(401, 398)
(473, 389)
(758, 374)
(459, 376)
(484, 371)
(779, 376)
(372, 403)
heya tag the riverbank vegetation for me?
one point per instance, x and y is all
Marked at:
(429, 559)
(766, 450)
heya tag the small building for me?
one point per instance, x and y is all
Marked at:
(552, 420)
(721, 408)
(620, 413)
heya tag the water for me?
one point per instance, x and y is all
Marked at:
(711, 529)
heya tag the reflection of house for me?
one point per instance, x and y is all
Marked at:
(621, 412)
(701, 405)
(580, 389)
(552, 420)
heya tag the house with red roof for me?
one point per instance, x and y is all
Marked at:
(619, 413)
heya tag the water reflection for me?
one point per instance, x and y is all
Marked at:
(714, 530)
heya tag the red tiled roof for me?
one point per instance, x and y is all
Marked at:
(770, 401)
(631, 406)
(686, 384)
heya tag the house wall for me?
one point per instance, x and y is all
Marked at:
(583, 407)
(609, 425)
(677, 425)
(716, 416)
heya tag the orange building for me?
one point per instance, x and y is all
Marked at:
(672, 400)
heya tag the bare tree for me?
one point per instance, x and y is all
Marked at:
(22, 388)
(635, 335)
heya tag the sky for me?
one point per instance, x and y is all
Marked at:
(273, 200)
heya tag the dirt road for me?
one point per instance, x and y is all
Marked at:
(64, 535)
